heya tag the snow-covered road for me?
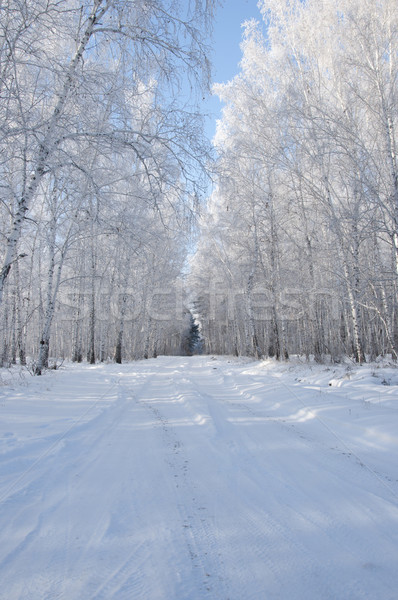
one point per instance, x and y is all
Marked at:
(198, 478)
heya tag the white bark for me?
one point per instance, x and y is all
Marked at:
(53, 284)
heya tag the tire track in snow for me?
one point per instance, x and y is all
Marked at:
(125, 578)
(195, 520)
(220, 393)
(260, 527)
(245, 511)
(256, 529)
(52, 491)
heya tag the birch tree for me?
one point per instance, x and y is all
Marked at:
(312, 116)
(56, 54)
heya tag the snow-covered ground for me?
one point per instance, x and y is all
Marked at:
(199, 478)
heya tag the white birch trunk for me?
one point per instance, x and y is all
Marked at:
(19, 320)
(52, 292)
(356, 329)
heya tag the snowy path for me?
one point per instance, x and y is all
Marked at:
(193, 478)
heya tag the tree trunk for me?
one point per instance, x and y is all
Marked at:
(52, 292)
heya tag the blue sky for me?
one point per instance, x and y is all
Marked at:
(226, 44)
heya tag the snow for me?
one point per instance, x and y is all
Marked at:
(199, 478)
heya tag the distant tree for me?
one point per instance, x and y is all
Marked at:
(191, 342)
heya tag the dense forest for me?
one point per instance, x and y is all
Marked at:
(102, 162)
(104, 167)
(299, 250)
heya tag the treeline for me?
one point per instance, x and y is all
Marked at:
(101, 154)
(299, 250)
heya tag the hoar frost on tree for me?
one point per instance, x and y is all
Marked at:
(299, 249)
(99, 162)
